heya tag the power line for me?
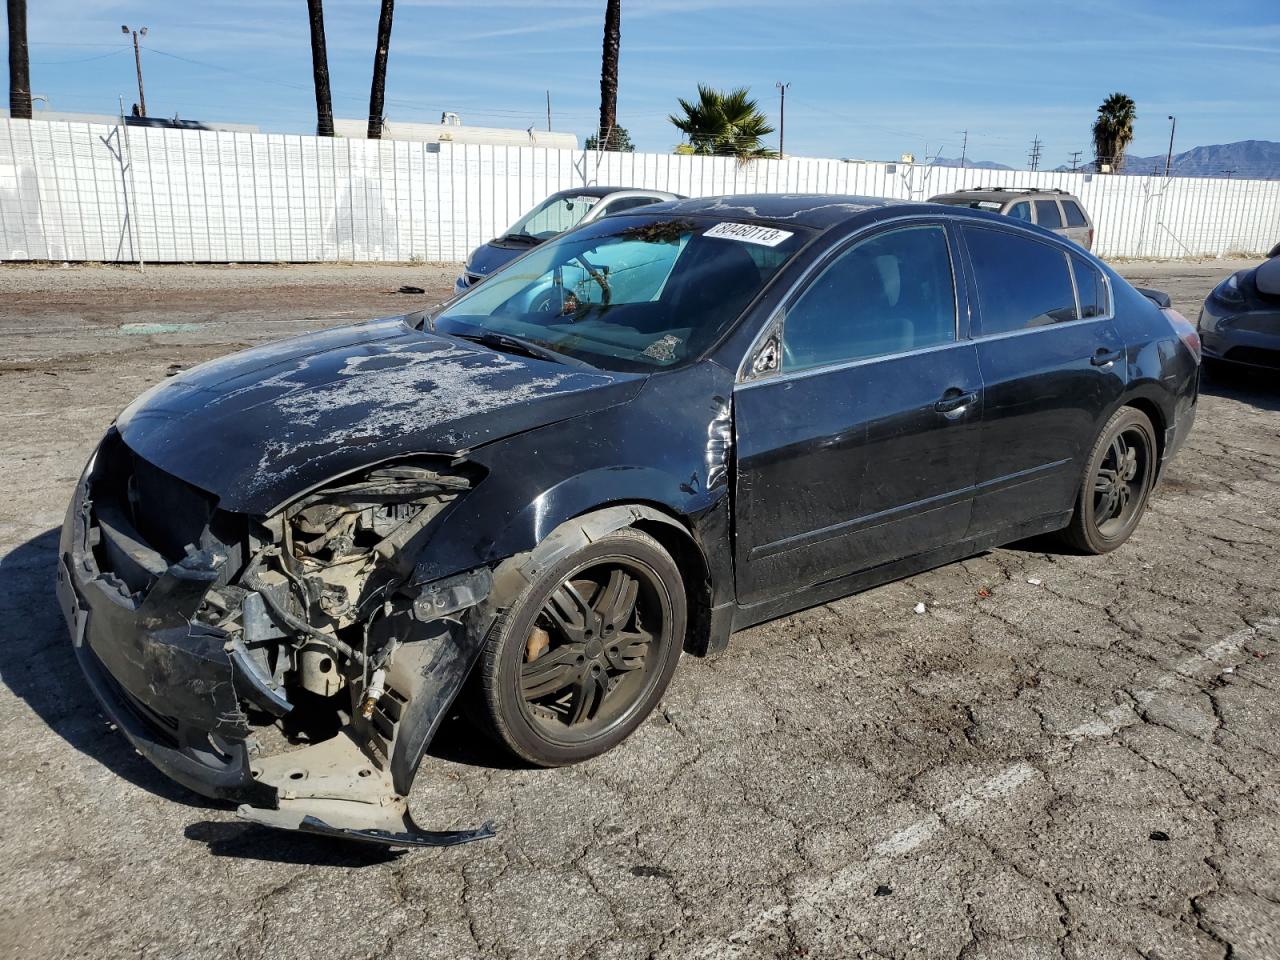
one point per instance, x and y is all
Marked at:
(1034, 156)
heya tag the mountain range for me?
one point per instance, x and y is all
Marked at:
(1245, 159)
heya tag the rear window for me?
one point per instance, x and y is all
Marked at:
(1047, 214)
(1075, 216)
(627, 203)
(1021, 211)
(1091, 288)
(1022, 283)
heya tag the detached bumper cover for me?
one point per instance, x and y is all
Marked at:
(176, 692)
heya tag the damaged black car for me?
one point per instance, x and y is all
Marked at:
(282, 568)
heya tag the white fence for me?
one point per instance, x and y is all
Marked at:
(77, 191)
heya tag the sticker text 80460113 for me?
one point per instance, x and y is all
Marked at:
(749, 233)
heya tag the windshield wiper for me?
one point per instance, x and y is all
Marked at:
(522, 237)
(506, 343)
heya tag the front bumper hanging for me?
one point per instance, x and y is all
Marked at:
(174, 687)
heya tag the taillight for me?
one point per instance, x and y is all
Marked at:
(1089, 245)
(1186, 331)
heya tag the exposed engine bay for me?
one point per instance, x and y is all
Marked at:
(304, 668)
(307, 600)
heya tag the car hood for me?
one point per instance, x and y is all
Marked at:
(258, 428)
(494, 255)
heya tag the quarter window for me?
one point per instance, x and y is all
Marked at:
(1022, 282)
(1021, 211)
(1090, 288)
(1075, 216)
(888, 294)
(1047, 214)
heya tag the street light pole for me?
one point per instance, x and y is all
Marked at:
(782, 114)
(1168, 160)
(137, 62)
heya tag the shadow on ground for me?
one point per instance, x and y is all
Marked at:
(1258, 388)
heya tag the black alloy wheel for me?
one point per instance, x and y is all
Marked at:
(1116, 485)
(586, 652)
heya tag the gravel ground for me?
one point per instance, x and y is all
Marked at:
(1064, 757)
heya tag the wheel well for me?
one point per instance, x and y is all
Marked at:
(694, 574)
(1152, 410)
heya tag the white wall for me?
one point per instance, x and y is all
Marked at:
(228, 197)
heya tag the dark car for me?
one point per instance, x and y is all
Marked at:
(649, 432)
(559, 212)
(1240, 320)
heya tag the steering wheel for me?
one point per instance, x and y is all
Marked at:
(606, 295)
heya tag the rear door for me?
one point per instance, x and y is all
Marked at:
(1053, 367)
(862, 449)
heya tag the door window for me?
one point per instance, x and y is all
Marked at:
(891, 293)
(1075, 216)
(1047, 214)
(1022, 282)
(1021, 211)
(1090, 287)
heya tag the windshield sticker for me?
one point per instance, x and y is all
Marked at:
(749, 233)
(663, 348)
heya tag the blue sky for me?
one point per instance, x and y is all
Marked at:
(869, 78)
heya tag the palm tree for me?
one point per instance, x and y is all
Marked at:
(320, 70)
(724, 124)
(607, 137)
(1113, 131)
(19, 66)
(380, 70)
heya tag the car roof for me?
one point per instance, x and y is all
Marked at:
(1002, 194)
(598, 191)
(817, 211)
(822, 212)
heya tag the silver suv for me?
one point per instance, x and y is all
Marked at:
(1054, 210)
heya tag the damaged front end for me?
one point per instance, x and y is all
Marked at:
(289, 663)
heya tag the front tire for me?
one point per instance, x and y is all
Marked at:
(1116, 486)
(585, 652)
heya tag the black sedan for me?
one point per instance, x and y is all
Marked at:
(1240, 320)
(282, 567)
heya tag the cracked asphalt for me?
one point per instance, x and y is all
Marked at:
(1062, 757)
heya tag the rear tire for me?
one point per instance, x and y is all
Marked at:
(1116, 485)
(585, 652)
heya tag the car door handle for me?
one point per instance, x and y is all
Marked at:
(954, 402)
(1105, 357)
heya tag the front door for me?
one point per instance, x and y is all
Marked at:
(863, 447)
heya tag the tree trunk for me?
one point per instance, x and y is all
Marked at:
(19, 65)
(609, 75)
(380, 70)
(320, 70)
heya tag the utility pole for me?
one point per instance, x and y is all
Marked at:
(1168, 160)
(137, 62)
(548, 111)
(1034, 156)
(1075, 160)
(782, 114)
(964, 148)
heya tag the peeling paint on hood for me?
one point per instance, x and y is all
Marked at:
(258, 428)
